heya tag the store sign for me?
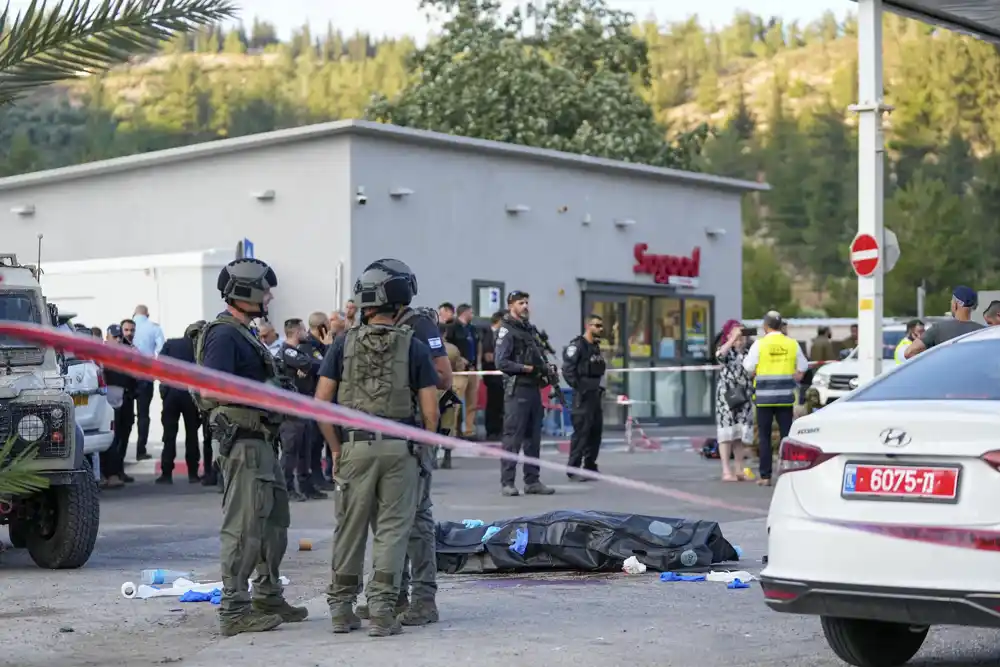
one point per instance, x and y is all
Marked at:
(668, 269)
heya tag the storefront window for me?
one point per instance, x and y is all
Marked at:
(669, 394)
(698, 386)
(667, 327)
(697, 328)
(639, 338)
(613, 349)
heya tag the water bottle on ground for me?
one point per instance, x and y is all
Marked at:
(159, 577)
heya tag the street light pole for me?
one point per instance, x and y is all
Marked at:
(871, 154)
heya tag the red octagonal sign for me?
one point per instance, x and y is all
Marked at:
(864, 254)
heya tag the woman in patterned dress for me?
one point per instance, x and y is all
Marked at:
(734, 420)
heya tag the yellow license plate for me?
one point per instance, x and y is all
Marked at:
(81, 400)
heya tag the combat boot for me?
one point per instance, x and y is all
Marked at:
(446, 460)
(250, 621)
(295, 497)
(538, 489)
(509, 491)
(421, 612)
(287, 612)
(384, 626)
(402, 604)
(344, 620)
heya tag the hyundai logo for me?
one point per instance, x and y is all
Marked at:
(853, 383)
(894, 437)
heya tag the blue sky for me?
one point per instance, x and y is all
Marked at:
(399, 17)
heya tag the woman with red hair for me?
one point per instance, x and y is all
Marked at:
(733, 407)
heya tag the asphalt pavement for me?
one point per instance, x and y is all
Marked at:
(78, 618)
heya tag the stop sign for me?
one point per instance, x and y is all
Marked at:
(864, 254)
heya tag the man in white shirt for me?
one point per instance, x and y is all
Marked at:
(148, 339)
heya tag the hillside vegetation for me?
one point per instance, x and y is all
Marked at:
(775, 96)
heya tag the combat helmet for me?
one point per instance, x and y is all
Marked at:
(246, 280)
(386, 284)
(398, 267)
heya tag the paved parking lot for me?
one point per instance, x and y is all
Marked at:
(77, 618)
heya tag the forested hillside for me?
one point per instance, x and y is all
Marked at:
(775, 96)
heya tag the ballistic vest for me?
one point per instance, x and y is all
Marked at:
(376, 372)
(774, 383)
(243, 416)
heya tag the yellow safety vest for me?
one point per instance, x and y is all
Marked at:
(774, 383)
(900, 349)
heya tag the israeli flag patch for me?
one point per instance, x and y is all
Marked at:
(435, 343)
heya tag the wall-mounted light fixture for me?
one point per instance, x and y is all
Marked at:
(399, 193)
(714, 232)
(264, 195)
(622, 223)
(361, 198)
(517, 209)
(586, 220)
(25, 211)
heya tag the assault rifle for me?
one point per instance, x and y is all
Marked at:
(548, 372)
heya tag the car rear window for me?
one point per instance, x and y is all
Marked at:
(963, 372)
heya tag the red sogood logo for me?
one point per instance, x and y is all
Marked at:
(664, 267)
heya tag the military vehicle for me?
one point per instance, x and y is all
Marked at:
(59, 525)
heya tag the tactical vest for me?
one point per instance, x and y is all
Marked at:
(376, 373)
(775, 380)
(898, 355)
(241, 415)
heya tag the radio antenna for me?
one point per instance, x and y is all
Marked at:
(38, 265)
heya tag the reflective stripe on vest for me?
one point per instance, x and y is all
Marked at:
(900, 349)
(774, 384)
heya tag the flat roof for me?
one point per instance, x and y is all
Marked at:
(368, 129)
(978, 18)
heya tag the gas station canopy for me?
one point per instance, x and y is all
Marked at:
(978, 18)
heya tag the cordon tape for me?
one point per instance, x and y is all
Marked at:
(266, 397)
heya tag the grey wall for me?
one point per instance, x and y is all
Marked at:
(202, 204)
(455, 229)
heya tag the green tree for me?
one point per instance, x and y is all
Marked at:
(565, 86)
(766, 286)
(708, 92)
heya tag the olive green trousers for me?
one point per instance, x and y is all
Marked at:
(255, 520)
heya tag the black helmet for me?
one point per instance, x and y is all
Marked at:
(397, 267)
(194, 329)
(246, 280)
(382, 284)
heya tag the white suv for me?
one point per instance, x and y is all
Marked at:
(841, 377)
(94, 415)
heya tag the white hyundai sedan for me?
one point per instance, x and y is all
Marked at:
(885, 518)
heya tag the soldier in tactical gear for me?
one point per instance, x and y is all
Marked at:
(255, 509)
(382, 369)
(583, 368)
(301, 369)
(520, 356)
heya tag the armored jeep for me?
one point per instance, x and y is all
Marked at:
(59, 525)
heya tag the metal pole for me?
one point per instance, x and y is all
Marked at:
(921, 298)
(871, 149)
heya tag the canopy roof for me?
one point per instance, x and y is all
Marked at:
(979, 18)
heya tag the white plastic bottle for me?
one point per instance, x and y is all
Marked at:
(160, 577)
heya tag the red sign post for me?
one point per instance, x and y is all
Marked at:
(864, 255)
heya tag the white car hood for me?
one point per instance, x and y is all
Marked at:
(849, 367)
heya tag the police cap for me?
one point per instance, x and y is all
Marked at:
(246, 280)
(517, 295)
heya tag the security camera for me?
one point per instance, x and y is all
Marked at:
(360, 197)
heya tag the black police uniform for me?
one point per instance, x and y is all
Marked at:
(523, 413)
(315, 349)
(295, 432)
(177, 404)
(583, 368)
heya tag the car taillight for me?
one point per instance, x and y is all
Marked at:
(799, 456)
(993, 458)
(101, 384)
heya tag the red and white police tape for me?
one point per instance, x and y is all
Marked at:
(648, 369)
(266, 397)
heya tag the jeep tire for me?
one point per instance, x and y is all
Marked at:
(16, 531)
(74, 513)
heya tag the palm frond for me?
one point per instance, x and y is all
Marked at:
(17, 475)
(43, 45)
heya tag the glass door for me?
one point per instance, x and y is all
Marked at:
(639, 382)
(699, 385)
(668, 340)
(611, 309)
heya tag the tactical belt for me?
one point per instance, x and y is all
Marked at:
(358, 435)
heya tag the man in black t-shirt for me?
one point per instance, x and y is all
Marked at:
(963, 300)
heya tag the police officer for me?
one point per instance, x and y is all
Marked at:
(583, 368)
(421, 553)
(777, 364)
(255, 508)
(177, 404)
(302, 370)
(914, 331)
(520, 356)
(381, 369)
